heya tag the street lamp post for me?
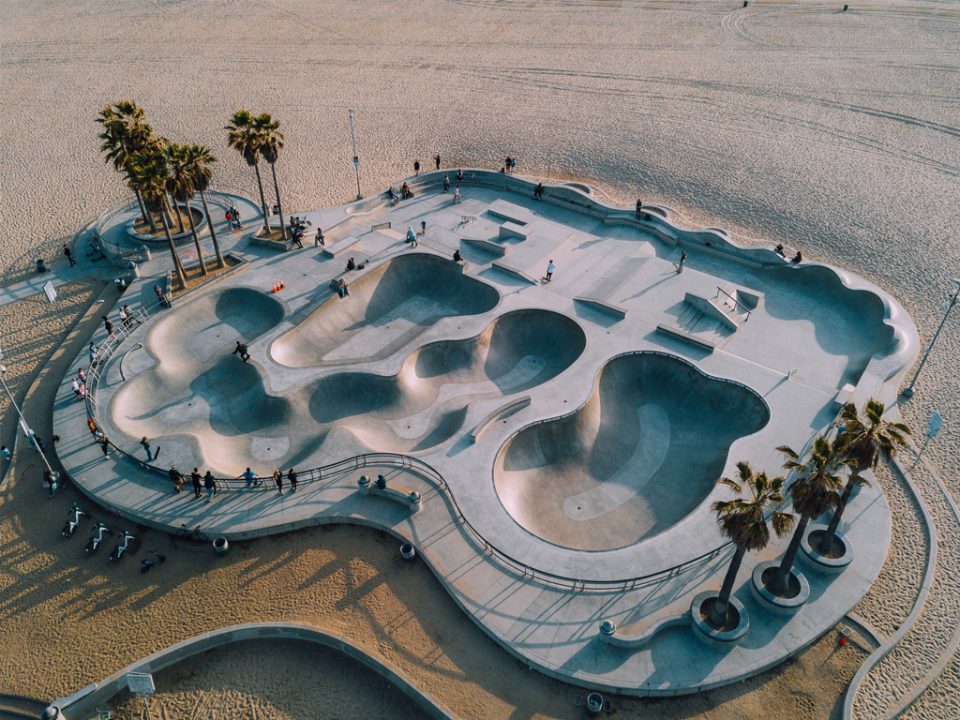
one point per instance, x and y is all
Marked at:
(908, 391)
(356, 158)
(53, 474)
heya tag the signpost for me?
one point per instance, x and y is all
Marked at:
(356, 158)
(141, 684)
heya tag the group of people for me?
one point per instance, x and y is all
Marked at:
(795, 260)
(254, 482)
(297, 227)
(233, 216)
(198, 481)
(79, 384)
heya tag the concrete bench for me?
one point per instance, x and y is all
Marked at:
(487, 246)
(510, 212)
(280, 245)
(680, 334)
(603, 306)
(514, 230)
(334, 249)
(397, 493)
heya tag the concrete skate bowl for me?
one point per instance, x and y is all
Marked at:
(426, 403)
(387, 307)
(643, 452)
(196, 385)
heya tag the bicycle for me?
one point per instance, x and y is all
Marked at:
(194, 534)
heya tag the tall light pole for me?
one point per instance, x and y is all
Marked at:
(908, 391)
(54, 476)
(356, 158)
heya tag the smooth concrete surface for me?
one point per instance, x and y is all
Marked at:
(642, 452)
(309, 404)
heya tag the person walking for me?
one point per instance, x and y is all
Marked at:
(161, 298)
(318, 240)
(124, 317)
(446, 183)
(241, 350)
(298, 238)
(145, 444)
(292, 477)
(251, 477)
(416, 167)
(76, 388)
(81, 376)
(683, 259)
(278, 479)
(456, 196)
(107, 325)
(104, 443)
(436, 160)
(550, 268)
(423, 228)
(210, 484)
(69, 255)
(538, 192)
(411, 237)
(92, 353)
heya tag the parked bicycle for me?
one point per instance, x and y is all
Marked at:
(123, 544)
(100, 532)
(73, 521)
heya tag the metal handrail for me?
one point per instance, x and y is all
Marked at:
(735, 301)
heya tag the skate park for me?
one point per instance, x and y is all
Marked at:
(564, 436)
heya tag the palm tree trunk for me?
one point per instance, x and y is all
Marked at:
(178, 266)
(276, 189)
(826, 542)
(166, 208)
(781, 581)
(176, 206)
(147, 217)
(263, 200)
(196, 241)
(718, 615)
(213, 232)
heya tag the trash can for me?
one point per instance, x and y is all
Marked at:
(220, 546)
(594, 703)
(408, 551)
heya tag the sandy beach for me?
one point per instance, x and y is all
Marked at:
(833, 133)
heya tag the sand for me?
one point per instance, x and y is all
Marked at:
(834, 133)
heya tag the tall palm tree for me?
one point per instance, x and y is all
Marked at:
(864, 441)
(244, 136)
(744, 522)
(815, 491)
(125, 133)
(199, 159)
(151, 176)
(181, 187)
(271, 144)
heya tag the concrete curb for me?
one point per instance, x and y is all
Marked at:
(84, 703)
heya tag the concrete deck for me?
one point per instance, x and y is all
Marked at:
(542, 526)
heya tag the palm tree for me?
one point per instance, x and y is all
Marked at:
(181, 187)
(272, 143)
(125, 133)
(743, 521)
(244, 136)
(198, 161)
(151, 176)
(815, 491)
(863, 443)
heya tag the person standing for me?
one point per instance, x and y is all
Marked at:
(92, 354)
(411, 237)
(318, 240)
(145, 444)
(197, 480)
(292, 477)
(550, 268)
(446, 183)
(176, 478)
(278, 479)
(456, 196)
(459, 177)
(251, 477)
(436, 160)
(161, 298)
(210, 484)
(416, 167)
(76, 387)
(69, 255)
(104, 443)
(639, 209)
(423, 228)
(683, 259)
(508, 163)
(107, 325)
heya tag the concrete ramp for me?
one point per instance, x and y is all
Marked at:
(388, 306)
